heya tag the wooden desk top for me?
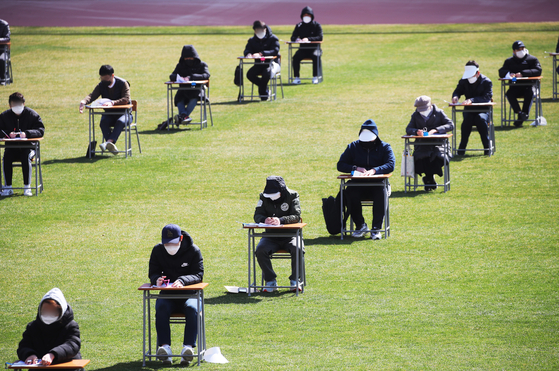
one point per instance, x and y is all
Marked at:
(524, 78)
(196, 287)
(471, 104)
(376, 176)
(303, 42)
(553, 54)
(430, 136)
(201, 82)
(6, 43)
(21, 140)
(125, 106)
(73, 364)
(267, 57)
(284, 226)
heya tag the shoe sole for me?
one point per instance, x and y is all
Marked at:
(112, 148)
(187, 358)
(163, 356)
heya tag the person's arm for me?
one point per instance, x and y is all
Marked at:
(197, 264)
(173, 75)
(345, 164)
(388, 161)
(446, 124)
(412, 128)
(203, 73)
(4, 32)
(295, 209)
(459, 91)
(125, 94)
(557, 47)
(534, 70)
(37, 129)
(249, 48)
(260, 214)
(505, 69)
(295, 33)
(25, 348)
(71, 345)
(96, 93)
(318, 36)
(272, 47)
(486, 94)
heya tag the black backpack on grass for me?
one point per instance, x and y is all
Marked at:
(332, 209)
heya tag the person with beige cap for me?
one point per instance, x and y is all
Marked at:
(429, 160)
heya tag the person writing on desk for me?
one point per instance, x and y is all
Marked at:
(189, 68)
(368, 155)
(277, 205)
(19, 122)
(263, 44)
(521, 64)
(428, 119)
(53, 337)
(477, 88)
(308, 30)
(178, 262)
(117, 90)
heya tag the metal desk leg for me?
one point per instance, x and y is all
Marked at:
(342, 228)
(249, 257)
(503, 105)
(144, 332)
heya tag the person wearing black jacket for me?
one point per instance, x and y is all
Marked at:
(263, 44)
(277, 205)
(477, 88)
(19, 122)
(368, 155)
(521, 64)
(308, 30)
(178, 262)
(53, 337)
(189, 68)
(4, 38)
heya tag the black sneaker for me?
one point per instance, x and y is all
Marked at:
(185, 119)
(521, 118)
(430, 184)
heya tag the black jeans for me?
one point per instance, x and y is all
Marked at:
(478, 120)
(23, 155)
(303, 54)
(356, 194)
(516, 92)
(262, 82)
(269, 245)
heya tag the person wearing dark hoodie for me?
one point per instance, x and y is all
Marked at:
(476, 88)
(429, 159)
(277, 205)
(53, 337)
(521, 64)
(189, 68)
(4, 38)
(308, 30)
(263, 44)
(368, 155)
(117, 90)
(19, 122)
(178, 261)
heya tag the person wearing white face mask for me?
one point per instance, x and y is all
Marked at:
(477, 88)
(521, 64)
(178, 262)
(263, 44)
(19, 122)
(53, 337)
(429, 160)
(308, 30)
(277, 205)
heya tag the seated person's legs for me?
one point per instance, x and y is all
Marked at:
(266, 247)
(481, 124)
(291, 246)
(377, 194)
(262, 82)
(163, 310)
(466, 130)
(190, 310)
(512, 96)
(11, 155)
(354, 197)
(528, 97)
(429, 168)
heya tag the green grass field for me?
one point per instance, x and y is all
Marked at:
(467, 280)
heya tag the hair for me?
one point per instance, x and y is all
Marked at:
(54, 303)
(16, 97)
(472, 63)
(106, 70)
(258, 24)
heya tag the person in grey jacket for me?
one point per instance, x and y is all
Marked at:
(277, 205)
(429, 160)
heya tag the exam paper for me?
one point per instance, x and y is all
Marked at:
(181, 79)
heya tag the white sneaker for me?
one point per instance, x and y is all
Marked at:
(111, 147)
(27, 190)
(187, 355)
(315, 80)
(360, 232)
(270, 286)
(376, 236)
(103, 146)
(296, 81)
(7, 191)
(294, 283)
(163, 353)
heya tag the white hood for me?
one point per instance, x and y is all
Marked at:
(56, 295)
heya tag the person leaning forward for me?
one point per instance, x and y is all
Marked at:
(305, 31)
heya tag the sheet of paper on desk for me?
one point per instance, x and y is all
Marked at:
(100, 102)
(237, 289)
(508, 76)
(260, 225)
(22, 363)
(181, 79)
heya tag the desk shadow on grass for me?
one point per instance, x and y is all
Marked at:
(78, 160)
(137, 365)
(165, 131)
(229, 298)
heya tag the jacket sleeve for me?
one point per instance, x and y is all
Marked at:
(272, 47)
(37, 129)
(505, 69)
(318, 36)
(203, 72)
(260, 214)
(296, 209)
(535, 68)
(486, 94)
(4, 33)
(459, 91)
(71, 346)
(155, 269)
(249, 48)
(125, 94)
(446, 124)
(295, 33)
(96, 93)
(173, 75)
(412, 127)
(25, 348)
(388, 161)
(345, 164)
(557, 47)
(198, 270)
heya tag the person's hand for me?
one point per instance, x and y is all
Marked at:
(22, 134)
(160, 280)
(187, 78)
(249, 55)
(272, 221)
(298, 40)
(31, 359)
(512, 74)
(13, 134)
(518, 74)
(454, 99)
(177, 283)
(47, 359)
(109, 104)
(257, 55)
(468, 101)
(361, 169)
(432, 131)
(419, 133)
(370, 172)
(306, 40)
(82, 106)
